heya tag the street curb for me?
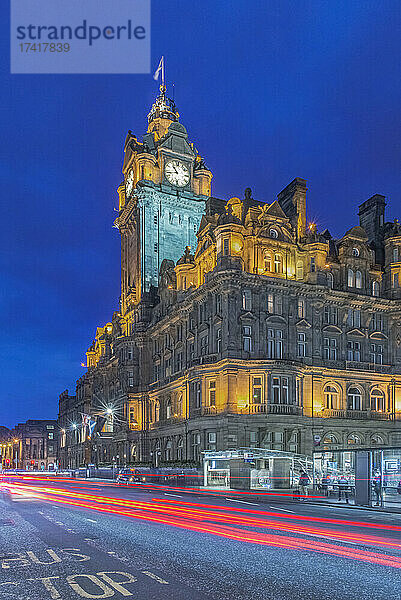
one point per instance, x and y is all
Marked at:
(373, 509)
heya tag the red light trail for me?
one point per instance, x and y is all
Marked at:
(231, 522)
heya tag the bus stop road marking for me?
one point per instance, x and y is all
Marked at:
(241, 501)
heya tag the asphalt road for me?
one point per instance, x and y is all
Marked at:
(95, 540)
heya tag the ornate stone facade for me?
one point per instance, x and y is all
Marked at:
(265, 333)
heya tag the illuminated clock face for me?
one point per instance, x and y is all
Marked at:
(177, 173)
(129, 183)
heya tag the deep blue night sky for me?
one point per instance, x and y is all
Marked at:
(267, 90)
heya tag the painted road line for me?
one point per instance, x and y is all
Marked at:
(175, 495)
(241, 501)
(91, 520)
(155, 577)
(283, 509)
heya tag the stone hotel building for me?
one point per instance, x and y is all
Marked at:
(240, 324)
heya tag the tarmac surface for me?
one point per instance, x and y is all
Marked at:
(72, 539)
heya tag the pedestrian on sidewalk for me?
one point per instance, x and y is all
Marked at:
(377, 487)
(304, 481)
(343, 489)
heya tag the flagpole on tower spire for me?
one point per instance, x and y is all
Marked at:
(160, 71)
(163, 81)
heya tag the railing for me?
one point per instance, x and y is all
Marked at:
(258, 408)
(356, 414)
(382, 416)
(284, 409)
(358, 365)
(334, 413)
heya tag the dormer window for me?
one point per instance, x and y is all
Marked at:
(273, 233)
(355, 252)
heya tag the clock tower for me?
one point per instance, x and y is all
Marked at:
(161, 200)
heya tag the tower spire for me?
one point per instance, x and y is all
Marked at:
(163, 110)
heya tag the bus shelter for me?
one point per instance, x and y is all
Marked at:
(360, 476)
(255, 469)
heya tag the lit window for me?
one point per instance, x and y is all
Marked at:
(331, 397)
(355, 251)
(278, 263)
(212, 393)
(354, 399)
(330, 280)
(351, 278)
(280, 390)
(377, 400)
(273, 233)
(257, 390)
(358, 279)
(375, 288)
(268, 262)
(270, 303)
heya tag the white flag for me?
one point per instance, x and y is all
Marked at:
(159, 69)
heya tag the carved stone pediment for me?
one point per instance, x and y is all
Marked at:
(332, 329)
(356, 333)
(247, 316)
(378, 335)
(272, 319)
(304, 323)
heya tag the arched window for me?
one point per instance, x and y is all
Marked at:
(375, 438)
(377, 400)
(330, 280)
(168, 409)
(330, 438)
(157, 411)
(358, 279)
(353, 439)
(355, 252)
(273, 233)
(375, 288)
(168, 452)
(331, 397)
(351, 278)
(179, 405)
(278, 263)
(134, 452)
(180, 448)
(300, 270)
(354, 399)
(268, 262)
